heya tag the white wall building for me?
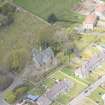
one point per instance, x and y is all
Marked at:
(90, 22)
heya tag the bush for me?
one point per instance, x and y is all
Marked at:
(21, 91)
(17, 59)
(10, 97)
(7, 10)
(52, 18)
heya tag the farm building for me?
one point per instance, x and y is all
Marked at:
(90, 22)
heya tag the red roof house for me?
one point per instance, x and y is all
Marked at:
(90, 22)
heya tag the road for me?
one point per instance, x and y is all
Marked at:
(87, 92)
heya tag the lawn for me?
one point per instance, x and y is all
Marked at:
(97, 95)
(85, 41)
(88, 101)
(61, 8)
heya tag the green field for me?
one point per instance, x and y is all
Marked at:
(20, 34)
(61, 8)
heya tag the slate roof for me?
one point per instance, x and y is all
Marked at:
(44, 56)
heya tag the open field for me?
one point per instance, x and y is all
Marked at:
(62, 9)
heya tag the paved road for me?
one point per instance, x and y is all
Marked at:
(87, 92)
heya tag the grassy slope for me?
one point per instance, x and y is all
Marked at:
(20, 34)
(44, 8)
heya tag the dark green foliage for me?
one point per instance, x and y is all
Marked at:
(7, 10)
(17, 59)
(52, 18)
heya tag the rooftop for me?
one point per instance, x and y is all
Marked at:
(43, 56)
(100, 8)
(90, 19)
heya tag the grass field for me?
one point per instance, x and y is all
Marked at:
(97, 96)
(20, 34)
(43, 8)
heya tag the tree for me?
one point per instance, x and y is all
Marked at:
(7, 11)
(17, 59)
(47, 38)
(52, 18)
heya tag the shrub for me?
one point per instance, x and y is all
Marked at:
(10, 97)
(52, 18)
(21, 91)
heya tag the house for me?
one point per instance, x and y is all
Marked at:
(90, 22)
(90, 65)
(60, 87)
(100, 11)
(51, 94)
(43, 58)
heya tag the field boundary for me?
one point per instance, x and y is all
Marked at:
(25, 10)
